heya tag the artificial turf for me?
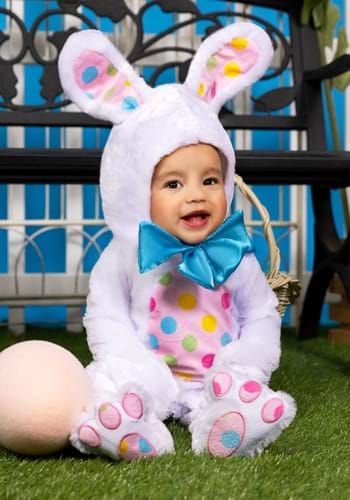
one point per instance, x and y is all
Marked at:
(310, 460)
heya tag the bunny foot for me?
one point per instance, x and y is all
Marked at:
(241, 417)
(122, 430)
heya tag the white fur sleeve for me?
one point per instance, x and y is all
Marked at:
(118, 353)
(260, 322)
(110, 330)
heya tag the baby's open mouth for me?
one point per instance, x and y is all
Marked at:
(196, 219)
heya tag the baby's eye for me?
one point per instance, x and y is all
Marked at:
(211, 181)
(173, 184)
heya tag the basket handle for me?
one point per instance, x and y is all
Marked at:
(274, 253)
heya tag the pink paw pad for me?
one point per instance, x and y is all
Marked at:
(109, 416)
(272, 410)
(226, 435)
(221, 384)
(250, 391)
(132, 405)
(134, 446)
(89, 436)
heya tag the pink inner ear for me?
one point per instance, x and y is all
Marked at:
(233, 59)
(100, 80)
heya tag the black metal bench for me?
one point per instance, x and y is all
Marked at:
(317, 167)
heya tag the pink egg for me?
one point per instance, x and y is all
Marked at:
(208, 360)
(43, 391)
(226, 300)
(152, 304)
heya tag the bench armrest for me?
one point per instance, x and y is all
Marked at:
(331, 70)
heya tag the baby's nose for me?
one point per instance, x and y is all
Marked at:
(195, 194)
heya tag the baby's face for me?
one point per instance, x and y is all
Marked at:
(187, 193)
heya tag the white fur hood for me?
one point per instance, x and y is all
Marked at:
(151, 123)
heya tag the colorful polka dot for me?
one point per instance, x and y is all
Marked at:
(209, 323)
(189, 343)
(213, 90)
(208, 360)
(144, 446)
(170, 359)
(232, 69)
(127, 83)
(226, 300)
(89, 74)
(152, 304)
(89, 95)
(123, 446)
(230, 439)
(168, 325)
(225, 339)
(109, 94)
(239, 43)
(187, 301)
(129, 103)
(201, 89)
(153, 342)
(212, 62)
(166, 279)
(111, 70)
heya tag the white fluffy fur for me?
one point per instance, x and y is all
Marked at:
(95, 41)
(258, 434)
(117, 313)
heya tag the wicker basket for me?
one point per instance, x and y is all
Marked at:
(285, 287)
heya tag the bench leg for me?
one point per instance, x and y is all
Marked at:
(332, 255)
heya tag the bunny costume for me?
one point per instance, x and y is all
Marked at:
(162, 343)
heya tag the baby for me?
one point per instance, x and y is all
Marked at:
(180, 318)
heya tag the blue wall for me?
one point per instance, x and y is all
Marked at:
(53, 242)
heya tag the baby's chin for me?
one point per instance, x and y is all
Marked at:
(195, 237)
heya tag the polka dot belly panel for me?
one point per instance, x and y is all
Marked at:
(188, 324)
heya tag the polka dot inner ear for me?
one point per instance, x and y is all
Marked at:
(233, 59)
(101, 81)
(221, 384)
(132, 405)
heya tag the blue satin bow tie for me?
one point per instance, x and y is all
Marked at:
(208, 263)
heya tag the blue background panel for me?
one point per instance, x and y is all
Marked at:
(53, 242)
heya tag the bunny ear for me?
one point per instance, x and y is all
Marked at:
(228, 61)
(98, 78)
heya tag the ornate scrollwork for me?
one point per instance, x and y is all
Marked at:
(143, 48)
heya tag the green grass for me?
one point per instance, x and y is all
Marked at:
(311, 459)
